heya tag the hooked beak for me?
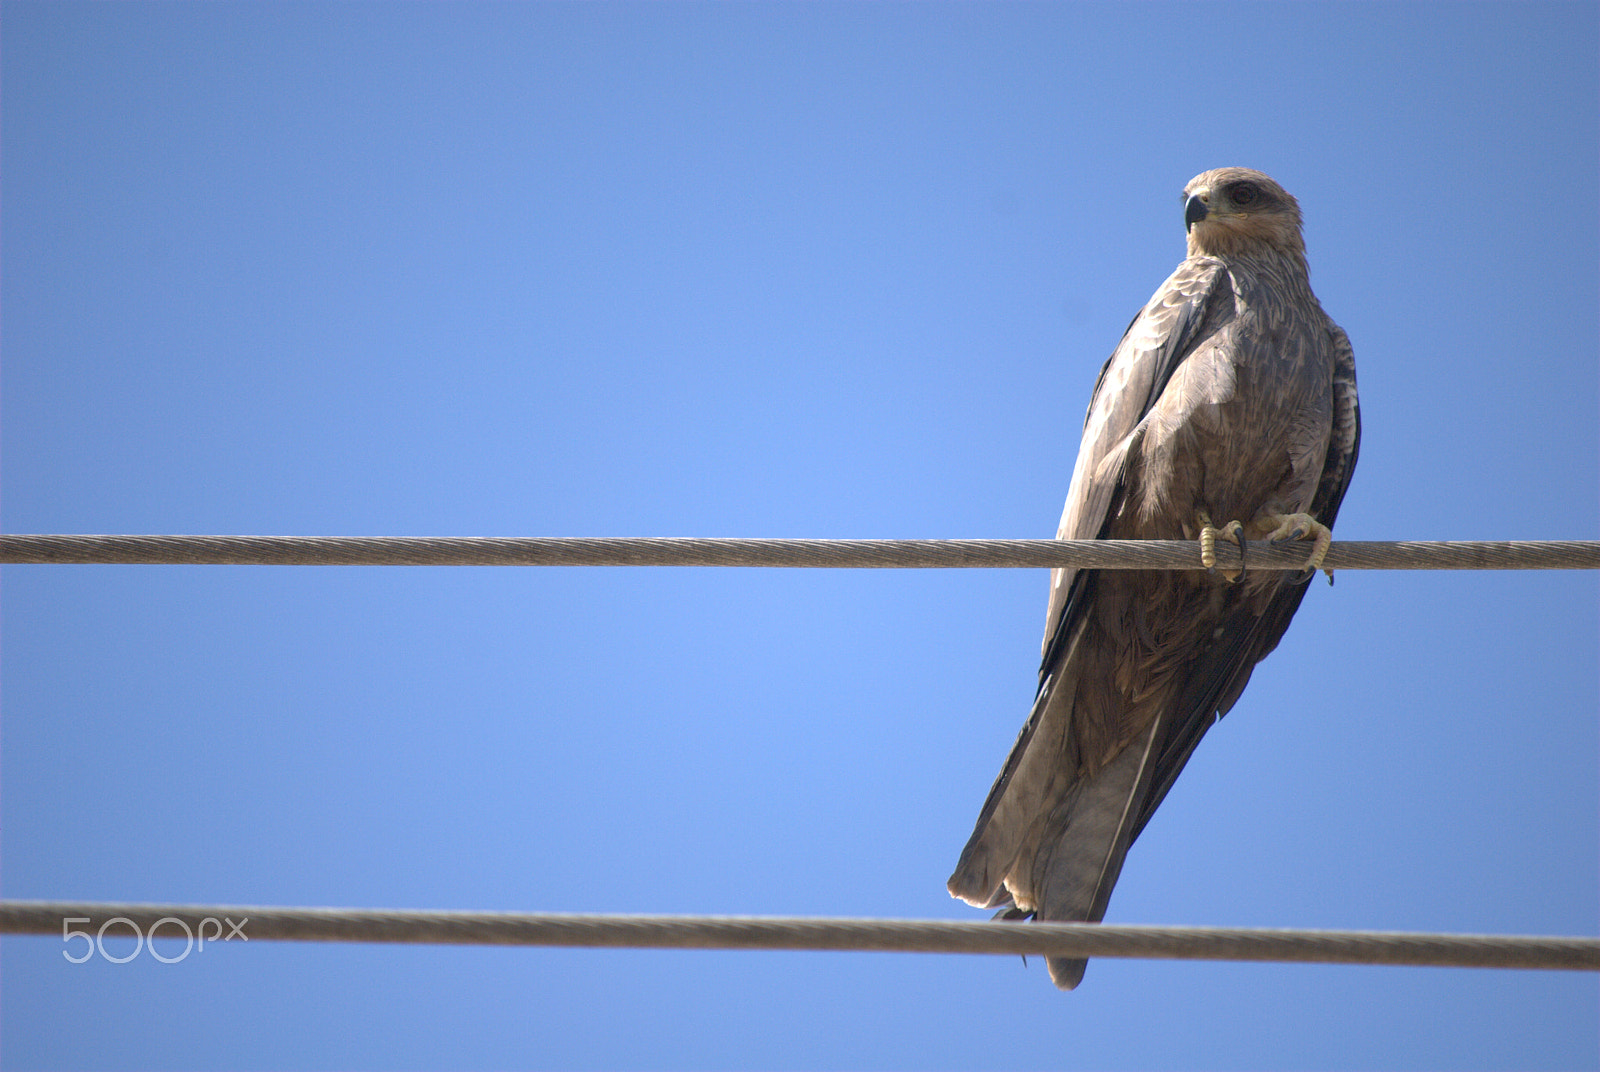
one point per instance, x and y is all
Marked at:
(1194, 210)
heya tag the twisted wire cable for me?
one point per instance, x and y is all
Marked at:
(827, 554)
(249, 923)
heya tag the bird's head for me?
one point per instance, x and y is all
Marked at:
(1234, 211)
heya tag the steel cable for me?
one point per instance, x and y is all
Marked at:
(829, 554)
(257, 923)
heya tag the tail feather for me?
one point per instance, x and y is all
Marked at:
(1081, 856)
(1030, 785)
(1046, 842)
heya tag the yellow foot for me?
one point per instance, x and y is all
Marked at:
(1233, 532)
(1302, 527)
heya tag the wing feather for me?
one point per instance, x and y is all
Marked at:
(1180, 315)
(1175, 320)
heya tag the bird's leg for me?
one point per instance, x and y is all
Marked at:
(1302, 527)
(1233, 532)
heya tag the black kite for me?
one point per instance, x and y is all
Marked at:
(1232, 397)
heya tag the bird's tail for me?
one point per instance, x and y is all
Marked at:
(1052, 846)
(1081, 855)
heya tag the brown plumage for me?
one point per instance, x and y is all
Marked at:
(1232, 397)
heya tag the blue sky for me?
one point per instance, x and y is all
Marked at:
(761, 270)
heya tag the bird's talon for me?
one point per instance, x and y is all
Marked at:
(1300, 527)
(1233, 532)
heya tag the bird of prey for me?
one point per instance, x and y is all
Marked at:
(1228, 410)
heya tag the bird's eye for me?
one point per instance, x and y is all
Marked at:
(1244, 193)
